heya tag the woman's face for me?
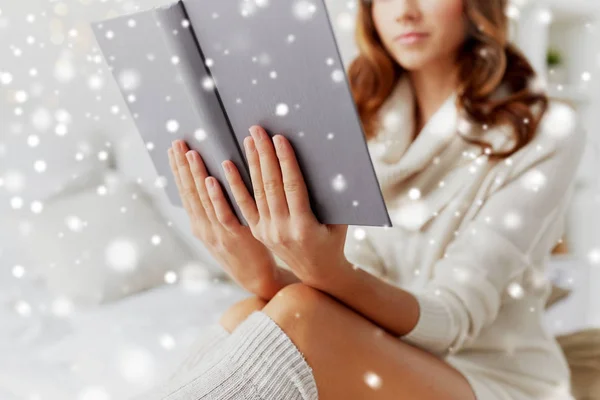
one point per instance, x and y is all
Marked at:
(419, 32)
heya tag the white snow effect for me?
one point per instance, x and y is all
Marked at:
(208, 83)
(414, 194)
(373, 380)
(534, 180)
(515, 290)
(122, 255)
(345, 21)
(129, 79)
(559, 120)
(6, 78)
(40, 166)
(170, 277)
(282, 109)
(594, 256)
(359, 233)
(338, 75)
(339, 183)
(304, 10)
(95, 82)
(200, 134)
(172, 126)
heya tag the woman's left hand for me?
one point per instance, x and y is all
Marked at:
(280, 215)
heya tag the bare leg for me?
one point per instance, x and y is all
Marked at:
(352, 358)
(305, 345)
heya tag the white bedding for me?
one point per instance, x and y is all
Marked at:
(118, 350)
(110, 352)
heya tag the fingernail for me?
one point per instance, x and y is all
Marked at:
(189, 156)
(253, 133)
(226, 166)
(174, 144)
(258, 134)
(278, 142)
(249, 143)
(262, 134)
(211, 183)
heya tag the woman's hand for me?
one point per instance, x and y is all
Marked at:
(280, 215)
(242, 256)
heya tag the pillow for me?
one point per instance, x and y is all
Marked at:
(105, 240)
(38, 173)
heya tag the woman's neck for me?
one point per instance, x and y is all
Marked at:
(432, 86)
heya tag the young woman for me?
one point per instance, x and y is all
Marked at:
(476, 167)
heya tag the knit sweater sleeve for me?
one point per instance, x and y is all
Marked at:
(493, 249)
(359, 250)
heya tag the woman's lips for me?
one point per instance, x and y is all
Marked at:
(411, 37)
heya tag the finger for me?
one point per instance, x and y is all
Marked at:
(199, 174)
(294, 185)
(271, 173)
(256, 176)
(222, 208)
(175, 170)
(240, 193)
(193, 159)
(188, 186)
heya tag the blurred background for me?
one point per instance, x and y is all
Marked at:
(102, 285)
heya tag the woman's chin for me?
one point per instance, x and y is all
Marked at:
(412, 63)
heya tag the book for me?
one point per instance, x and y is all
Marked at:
(205, 71)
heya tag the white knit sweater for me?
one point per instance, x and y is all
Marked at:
(471, 237)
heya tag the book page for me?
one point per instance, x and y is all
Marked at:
(155, 60)
(276, 64)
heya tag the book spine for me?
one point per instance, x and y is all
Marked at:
(213, 139)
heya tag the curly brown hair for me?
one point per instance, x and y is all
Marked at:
(487, 61)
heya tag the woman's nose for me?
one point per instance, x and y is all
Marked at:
(407, 10)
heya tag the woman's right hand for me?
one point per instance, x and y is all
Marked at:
(241, 255)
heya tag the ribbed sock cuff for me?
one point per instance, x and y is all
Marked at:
(267, 355)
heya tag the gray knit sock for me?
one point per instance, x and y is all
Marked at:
(257, 361)
(209, 338)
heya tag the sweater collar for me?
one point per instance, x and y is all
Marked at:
(438, 162)
(397, 156)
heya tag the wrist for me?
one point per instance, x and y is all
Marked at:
(338, 276)
(267, 286)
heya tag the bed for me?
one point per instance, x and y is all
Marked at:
(111, 351)
(53, 351)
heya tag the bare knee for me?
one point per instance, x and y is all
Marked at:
(295, 301)
(240, 311)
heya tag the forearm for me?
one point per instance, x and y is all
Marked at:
(386, 305)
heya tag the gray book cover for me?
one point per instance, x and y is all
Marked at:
(206, 70)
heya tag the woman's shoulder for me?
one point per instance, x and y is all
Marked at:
(554, 152)
(559, 137)
(560, 126)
